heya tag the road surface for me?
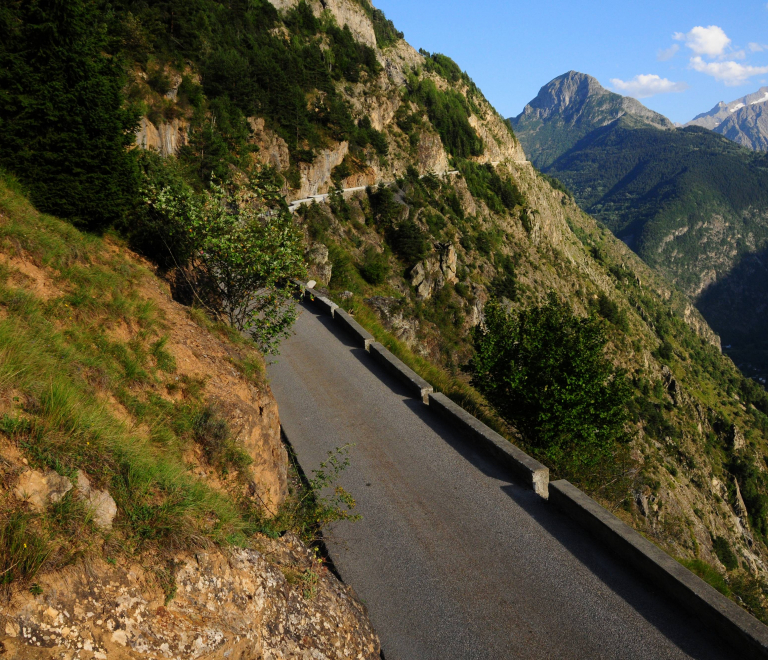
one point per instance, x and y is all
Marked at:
(453, 559)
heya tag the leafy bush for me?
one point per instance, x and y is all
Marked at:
(375, 266)
(246, 248)
(544, 370)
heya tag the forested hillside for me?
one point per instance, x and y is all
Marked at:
(473, 276)
(690, 202)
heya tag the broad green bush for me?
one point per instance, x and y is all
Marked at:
(245, 249)
(545, 371)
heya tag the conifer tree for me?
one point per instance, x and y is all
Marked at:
(64, 127)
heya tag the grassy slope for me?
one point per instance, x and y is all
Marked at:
(88, 382)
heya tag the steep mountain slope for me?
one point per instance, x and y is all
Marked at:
(691, 203)
(327, 95)
(417, 259)
(745, 120)
(140, 460)
(568, 108)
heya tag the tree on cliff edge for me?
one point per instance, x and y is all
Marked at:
(64, 127)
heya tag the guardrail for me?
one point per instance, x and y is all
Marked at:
(747, 635)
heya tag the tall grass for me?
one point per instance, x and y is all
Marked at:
(65, 368)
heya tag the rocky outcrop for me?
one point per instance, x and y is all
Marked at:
(100, 502)
(430, 154)
(736, 439)
(393, 314)
(316, 176)
(319, 267)
(273, 150)
(39, 490)
(433, 273)
(275, 600)
(741, 513)
(673, 387)
(346, 13)
(166, 139)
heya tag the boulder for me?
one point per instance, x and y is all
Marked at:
(40, 490)
(100, 502)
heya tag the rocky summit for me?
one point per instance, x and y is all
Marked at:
(570, 107)
(745, 120)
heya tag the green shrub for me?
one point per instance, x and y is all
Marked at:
(708, 574)
(724, 553)
(545, 371)
(409, 242)
(245, 248)
(375, 266)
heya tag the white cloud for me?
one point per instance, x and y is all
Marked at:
(757, 48)
(731, 73)
(711, 41)
(667, 53)
(646, 85)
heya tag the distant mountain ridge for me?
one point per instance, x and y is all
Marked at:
(745, 120)
(570, 107)
(690, 202)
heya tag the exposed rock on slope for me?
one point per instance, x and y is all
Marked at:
(745, 120)
(273, 602)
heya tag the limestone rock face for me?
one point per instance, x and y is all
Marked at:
(277, 601)
(673, 387)
(166, 139)
(431, 156)
(316, 176)
(431, 274)
(319, 267)
(273, 150)
(346, 12)
(40, 490)
(102, 505)
(392, 314)
(742, 515)
(736, 438)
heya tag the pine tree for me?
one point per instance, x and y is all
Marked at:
(64, 127)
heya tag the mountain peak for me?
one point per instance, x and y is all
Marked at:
(568, 108)
(570, 89)
(744, 120)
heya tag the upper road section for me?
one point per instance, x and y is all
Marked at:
(453, 559)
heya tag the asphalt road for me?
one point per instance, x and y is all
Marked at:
(453, 558)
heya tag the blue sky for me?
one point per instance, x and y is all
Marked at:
(702, 52)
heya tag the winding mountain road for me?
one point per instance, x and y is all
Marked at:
(453, 559)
